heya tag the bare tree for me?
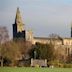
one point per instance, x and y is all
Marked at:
(4, 37)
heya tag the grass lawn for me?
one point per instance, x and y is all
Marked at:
(29, 69)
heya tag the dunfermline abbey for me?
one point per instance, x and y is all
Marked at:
(65, 44)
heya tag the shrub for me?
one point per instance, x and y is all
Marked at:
(67, 66)
(55, 63)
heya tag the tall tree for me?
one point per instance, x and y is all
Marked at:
(10, 50)
(43, 51)
(15, 51)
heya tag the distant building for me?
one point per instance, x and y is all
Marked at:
(18, 26)
(63, 45)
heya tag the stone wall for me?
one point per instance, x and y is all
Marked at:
(40, 63)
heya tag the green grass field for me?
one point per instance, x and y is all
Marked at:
(27, 69)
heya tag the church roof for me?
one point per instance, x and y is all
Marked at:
(47, 38)
(68, 38)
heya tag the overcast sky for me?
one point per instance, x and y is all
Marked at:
(44, 17)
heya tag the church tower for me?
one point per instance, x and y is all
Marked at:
(18, 26)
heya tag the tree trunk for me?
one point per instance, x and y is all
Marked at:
(2, 62)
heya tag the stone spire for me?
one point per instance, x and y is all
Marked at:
(19, 22)
(18, 18)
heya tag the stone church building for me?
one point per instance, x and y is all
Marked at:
(64, 44)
